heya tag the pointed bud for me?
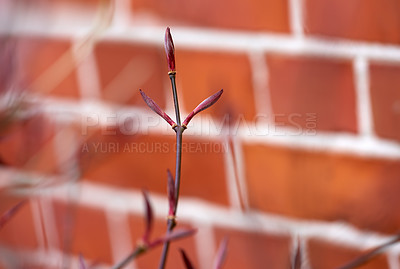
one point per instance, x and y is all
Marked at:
(156, 108)
(203, 105)
(221, 254)
(171, 194)
(169, 51)
(149, 218)
(10, 213)
(186, 260)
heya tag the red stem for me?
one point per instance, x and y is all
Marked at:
(179, 131)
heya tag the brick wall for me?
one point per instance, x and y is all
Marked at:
(304, 143)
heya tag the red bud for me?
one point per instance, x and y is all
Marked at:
(149, 217)
(169, 50)
(171, 193)
(156, 108)
(203, 105)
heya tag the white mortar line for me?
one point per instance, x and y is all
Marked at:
(201, 212)
(230, 176)
(66, 147)
(296, 18)
(239, 42)
(249, 132)
(294, 245)
(205, 246)
(37, 223)
(393, 260)
(208, 128)
(222, 40)
(87, 75)
(43, 258)
(122, 15)
(240, 170)
(120, 236)
(260, 77)
(341, 143)
(364, 110)
(49, 224)
(304, 255)
(299, 242)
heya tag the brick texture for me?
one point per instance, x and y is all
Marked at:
(304, 87)
(202, 74)
(152, 258)
(325, 186)
(80, 3)
(255, 15)
(19, 231)
(377, 21)
(125, 68)
(74, 13)
(120, 155)
(8, 69)
(83, 230)
(325, 255)
(385, 99)
(312, 80)
(254, 250)
(28, 143)
(47, 66)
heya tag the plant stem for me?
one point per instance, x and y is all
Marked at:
(175, 94)
(178, 164)
(370, 254)
(179, 131)
(128, 259)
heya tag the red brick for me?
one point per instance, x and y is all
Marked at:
(47, 66)
(83, 230)
(151, 259)
(28, 144)
(141, 161)
(385, 99)
(124, 68)
(27, 265)
(251, 15)
(8, 68)
(376, 21)
(49, 9)
(322, 86)
(81, 3)
(201, 74)
(24, 263)
(324, 186)
(254, 250)
(325, 255)
(19, 232)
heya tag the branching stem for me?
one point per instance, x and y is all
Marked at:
(179, 132)
(129, 258)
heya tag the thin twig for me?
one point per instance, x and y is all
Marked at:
(129, 258)
(179, 131)
(370, 254)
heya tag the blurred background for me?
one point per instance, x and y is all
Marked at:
(300, 155)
